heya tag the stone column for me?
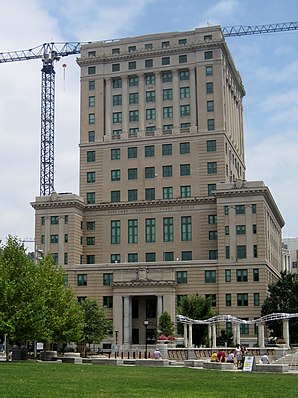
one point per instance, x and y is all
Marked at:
(185, 325)
(261, 340)
(108, 117)
(285, 331)
(193, 101)
(190, 335)
(176, 102)
(124, 104)
(159, 308)
(126, 320)
(214, 335)
(141, 90)
(158, 101)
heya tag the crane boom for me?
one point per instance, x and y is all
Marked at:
(51, 52)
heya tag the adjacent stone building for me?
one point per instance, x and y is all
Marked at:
(164, 208)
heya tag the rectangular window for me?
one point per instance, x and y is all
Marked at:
(167, 192)
(54, 238)
(208, 54)
(185, 191)
(132, 195)
(133, 131)
(256, 299)
(226, 210)
(82, 279)
(244, 327)
(166, 149)
(253, 208)
(150, 114)
(150, 96)
(209, 88)
(132, 152)
(115, 51)
(212, 219)
(91, 84)
(227, 252)
(90, 259)
(184, 92)
(213, 254)
(211, 188)
(107, 301)
(150, 79)
(182, 59)
(150, 230)
(133, 98)
(115, 258)
(148, 63)
(184, 110)
(132, 49)
(242, 299)
(186, 255)
(212, 235)
(132, 231)
(132, 65)
(65, 238)
(167, 171)
(91, 118)
(241, 275)
(91, 101)
(256, 275)
(209, 70)
(115, 232)
(168, 112)
(181, 276)
(115, 175)
(132, 257)
(255, 251)
(90, 198)
(212, 167)
(115, 196)
(150, 257)
(168, 256)
(254, 228)
(117, 82)
(240, 229)
(186, 228)
(54, 220)
(167, 94)
(241, 251)
(210, 124)
(165, 61)
(184, 148)
(107, 279)
(115, 154)
(182, 42)
(149, 172)
(117, 117)
(132, 174)
(115, 67)
(91, 70)
(184, 75)
(90, 240)
(184, 170)
(168, 229)
(210, 276)
(149, 193)
(91, 136)
(210, 106)
(117, 100)
(149, 151)
(240, 209)
(165, 44)
(167, 77)
(133, 116)
(211, 146)
(228, 300)
(167, 127)
(228, 275)
(90, 225)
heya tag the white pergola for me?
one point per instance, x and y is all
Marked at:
(236, 322)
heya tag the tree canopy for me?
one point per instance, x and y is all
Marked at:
(165, 325)
(283, 297)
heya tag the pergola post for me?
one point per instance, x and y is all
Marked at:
(213, 335)
(185, 334)
(285, 330)
(238, 333)
(190, 335)
(210, 334)
(261, 340)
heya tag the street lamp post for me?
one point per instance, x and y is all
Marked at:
(146, 326)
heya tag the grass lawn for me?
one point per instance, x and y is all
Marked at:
(50, 380)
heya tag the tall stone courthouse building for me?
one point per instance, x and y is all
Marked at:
(164, 209)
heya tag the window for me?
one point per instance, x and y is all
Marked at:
(148, 63)
(132, 195)
(256, 276)
(241, 275)
(212, 167)
(213, 254)
(150, 114)
(210, 106)
(117, 82)
(212, 298)
(167, 192)
(212, 235)
(255, 251)
(90, 156)
(256, 299)
(211, 146)
(242, 299)
(209, 88)
(149, 193)
(254, 228)
(91, 85)
(115, 232)
(133, 81)
(228, 300)
(54, 220)
(115, 258)
(168, 256)
(54, 238)
(42, 221)
(117, 132)
(208, 54)
(184, 92)
(166, 149)
(227, 252)
(133, 116)
(132, 65)
(240, 229)
(185, 191)
(184, 148)
(91, 101)
(210, 124)
(181, 276)
(253, 208)
(211, 188)
(226, 210)
(209, 70)
(150, 79)
(168, 112)
(228, 275)
(132, 152)
(132, 257)
(212, 219)
(186, 255)
(132, 174)
(115, 196)
(165, 61)
(90, 198)
(168, 229)
(117, 117)
(167, 127)
(150, 230)
(91, 118)
(107, 301)
(185, 170)
(90, 177)
(133, 98)
(149, 172)
(132, 49)
(186, 228)
(90, 259)
(150, 129)
(182, 42)
(184, 110)
(184, 75)
(82, 279)
(167, 77)
(167, 94)
(182, 59)
(240, 209)
(91, 70)
(165, 44)
(167, 171)
(132, 231)
(107, 279)
(117, 100)
(115, 154)
(90, 240)
(150, 96)
(150, 257)
(210, 276)
(241, 251)
(115, 51)
(65, 219)
(115, 67)
(149, 151)
(208, 38)
(90, 225)
(91, 136)
(115, 175)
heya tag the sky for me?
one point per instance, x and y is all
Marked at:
(268, 65)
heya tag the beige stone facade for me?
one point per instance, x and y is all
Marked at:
(164, 209)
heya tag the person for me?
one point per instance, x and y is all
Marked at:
(238, 356)
(230, 357)
(221, 356)
(157, 354)
(264, 359)
(213, 357)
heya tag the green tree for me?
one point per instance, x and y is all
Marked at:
(199, 308)
(165, 325)
(283, 297)
(96, 324)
